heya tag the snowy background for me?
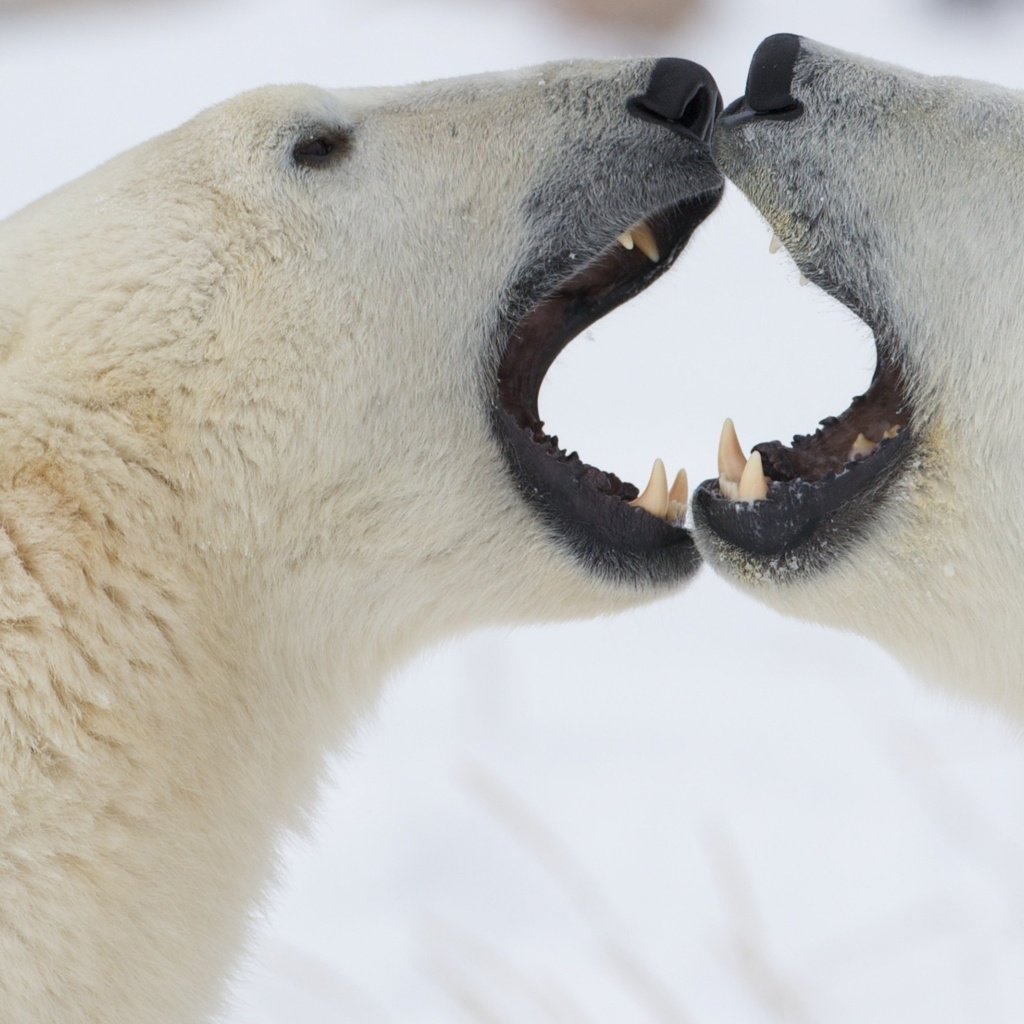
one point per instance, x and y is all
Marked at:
(699, 813)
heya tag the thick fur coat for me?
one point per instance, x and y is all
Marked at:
(247, 465)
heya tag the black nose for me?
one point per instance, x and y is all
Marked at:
(682, 96)
(770, 77)
(769, 95)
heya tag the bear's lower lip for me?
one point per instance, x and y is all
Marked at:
(793, 511)
(604, 519)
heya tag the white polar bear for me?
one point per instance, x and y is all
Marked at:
(901, 518)
(268, 424)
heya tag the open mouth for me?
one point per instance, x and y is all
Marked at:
(779, 497)
(816, 494)
(606, 520)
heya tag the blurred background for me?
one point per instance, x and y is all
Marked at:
(698, 813)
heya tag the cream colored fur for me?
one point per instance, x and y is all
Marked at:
(904, 190)
(247, 467)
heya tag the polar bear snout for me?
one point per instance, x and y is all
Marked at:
(608, 218)
(793, 509)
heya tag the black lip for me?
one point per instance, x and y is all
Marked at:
(797, 511)
(583, 506)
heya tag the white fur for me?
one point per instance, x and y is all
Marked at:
(246, 467)
(905, 189)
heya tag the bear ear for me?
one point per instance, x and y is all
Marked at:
(321, 146)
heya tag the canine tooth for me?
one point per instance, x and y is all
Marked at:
(803, 281)
(644, 239)
(731, 460)
(862, 448)
(680, 490)
(626, 239)
(892, 432)
(655, 497)
(774, 245)
(678, 495)
(753, 483)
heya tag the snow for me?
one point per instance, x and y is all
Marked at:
(696, 812)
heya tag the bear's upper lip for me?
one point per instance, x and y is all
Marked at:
(597, 512)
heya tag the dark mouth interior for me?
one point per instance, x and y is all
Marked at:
(536, 340)
(804, 484)
(585, 508)
(872, 420)
(820, 479)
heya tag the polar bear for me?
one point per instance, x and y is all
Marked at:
(899, 518)
(268, 424)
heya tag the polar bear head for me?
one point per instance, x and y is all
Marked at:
(326, 316)
(268, 423)
(900, 517)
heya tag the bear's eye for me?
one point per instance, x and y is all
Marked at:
(320, 148)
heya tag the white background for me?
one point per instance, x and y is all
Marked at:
(698, 813)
